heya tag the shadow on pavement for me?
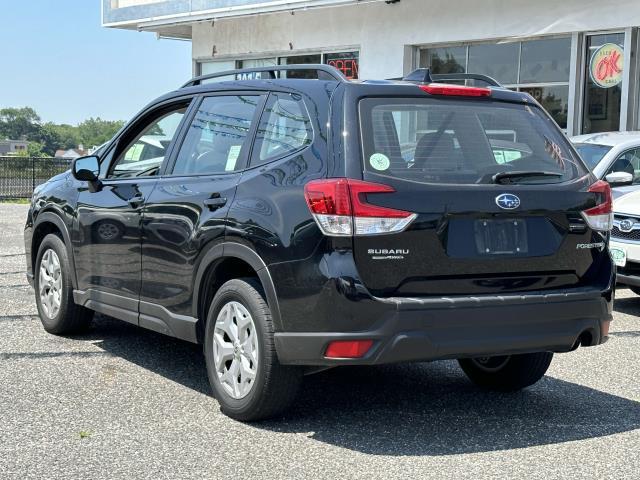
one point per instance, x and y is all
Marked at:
(629, 305)
(412, 409)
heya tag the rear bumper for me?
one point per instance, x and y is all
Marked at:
(431, 329)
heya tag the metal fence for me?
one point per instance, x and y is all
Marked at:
(20, 175)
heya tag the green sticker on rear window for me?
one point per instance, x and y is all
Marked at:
(379, 161)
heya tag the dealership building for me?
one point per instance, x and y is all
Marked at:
(579, 58)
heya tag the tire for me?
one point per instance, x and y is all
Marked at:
(273, 386)
(635, 290)
(507, 373)
(63, 316)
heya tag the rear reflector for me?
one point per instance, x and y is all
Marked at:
(600, 217)
(455, 90)
(339, 207)
(348, 348)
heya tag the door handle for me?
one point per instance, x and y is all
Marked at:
(136, 200)
(215, 203)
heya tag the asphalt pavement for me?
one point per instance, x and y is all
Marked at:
(122, 402)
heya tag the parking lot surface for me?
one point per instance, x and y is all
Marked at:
(122, 402)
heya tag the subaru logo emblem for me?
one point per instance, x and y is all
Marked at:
(508, 201)
(626, 225)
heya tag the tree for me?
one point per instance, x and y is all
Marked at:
(34, 149)
(67, 135)
(49, 138)
(96, 131)
(18, 123)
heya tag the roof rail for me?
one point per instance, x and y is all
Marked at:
(424, 75)
(331, 72)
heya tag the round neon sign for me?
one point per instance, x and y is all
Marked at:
(606, 66)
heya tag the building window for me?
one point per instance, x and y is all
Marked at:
(346, 62)
(603, 82)
(539, 67)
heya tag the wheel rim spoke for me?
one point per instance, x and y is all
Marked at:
(50, 283)
(235, 349)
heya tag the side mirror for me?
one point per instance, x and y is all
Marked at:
(86, 168)
(619, 178)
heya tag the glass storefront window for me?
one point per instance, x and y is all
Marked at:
(539, 67)
(498, 61)
(346, 62)
(555, 100)
(445, 60)
(546, 60)
(603, 82)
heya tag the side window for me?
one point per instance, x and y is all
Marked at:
(144, 155)
(217, 137)
(628, 162)
(284, 128)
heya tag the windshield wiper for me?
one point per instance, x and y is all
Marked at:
(505, 178)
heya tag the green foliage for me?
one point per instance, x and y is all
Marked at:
(19, 123)
(96, 131)
(34, 149)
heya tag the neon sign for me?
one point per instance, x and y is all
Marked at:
(606, 66)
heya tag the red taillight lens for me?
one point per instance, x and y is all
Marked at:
(455, 90)
(340, 208)
(600, 217)
(348, 348)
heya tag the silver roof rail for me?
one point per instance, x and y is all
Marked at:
(330, 72)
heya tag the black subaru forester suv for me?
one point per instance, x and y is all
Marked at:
(293, 224)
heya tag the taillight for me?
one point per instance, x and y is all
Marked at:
(348, 348)
(339, 207)
(600, 217)
(455, 90)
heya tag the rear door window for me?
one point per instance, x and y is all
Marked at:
(285, 128)
(455, 141)
(217, 139)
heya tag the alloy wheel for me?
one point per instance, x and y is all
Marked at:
(235, 349)
(50, 283)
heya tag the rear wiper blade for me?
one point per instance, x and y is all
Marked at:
(504, 178)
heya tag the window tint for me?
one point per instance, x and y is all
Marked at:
(145, 154)
(628, 162)
(284, 128)
(462, 141)
(216, 139)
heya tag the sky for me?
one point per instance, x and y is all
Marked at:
(56, 58)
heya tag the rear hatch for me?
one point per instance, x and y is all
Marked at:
(498, 202)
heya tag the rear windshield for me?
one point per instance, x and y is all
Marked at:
(463, 141)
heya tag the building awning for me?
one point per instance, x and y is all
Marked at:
(169, 15)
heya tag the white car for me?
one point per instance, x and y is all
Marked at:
(612, 156)
(625, 240)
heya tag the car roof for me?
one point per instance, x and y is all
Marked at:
(610, 139)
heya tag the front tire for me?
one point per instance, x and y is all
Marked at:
(507, 373)
(243, 368)
(54, 291)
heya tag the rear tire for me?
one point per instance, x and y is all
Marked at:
(58, 312)
(507, 373)
(243, 368)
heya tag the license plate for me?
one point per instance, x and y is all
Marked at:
(619, 256)
(501, 237)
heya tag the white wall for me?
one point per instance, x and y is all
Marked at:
(383, 31)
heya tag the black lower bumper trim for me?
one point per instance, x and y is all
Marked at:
(453, 331)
